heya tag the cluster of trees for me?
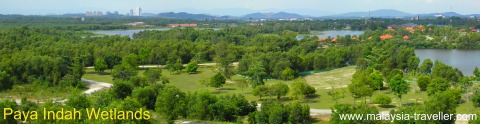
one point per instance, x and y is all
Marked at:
(298, 89)
(202, 105)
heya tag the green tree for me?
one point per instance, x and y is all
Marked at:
(437, 85)
(153, 75)
(143, 54)
(100, 65)
(377, 78)
(217, 80)
(442, 70)
(443, 102)
(336, 94)
(7, 119)
(138, 81)
(78, 101)
(131, 60)
(257, 73)
(122, 89)
(399, 86)
(77, 69)
(5, 82)
(70, 81)
(423, 82)
(476, 72)
(242, 84)
(359, 89)
(382, 99)
(225, 55)
(112, 60)
(123, 72)
(191, 67)
(170, 103)
(260, 91)
(476, 98)
(300, 89)
(178, 66)
(288, 74)
(279, 89)
(146, 96)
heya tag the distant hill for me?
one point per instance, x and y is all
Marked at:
(383, 13)
(446, 14)
(279, 15)
(183, 15)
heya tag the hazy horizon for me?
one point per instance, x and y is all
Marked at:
(236, 8)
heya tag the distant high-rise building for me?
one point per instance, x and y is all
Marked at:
(94, 13)
(131, 12)
(138, 11)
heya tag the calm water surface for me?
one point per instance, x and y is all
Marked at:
(131, 32)
(465, 60)
(335, 33)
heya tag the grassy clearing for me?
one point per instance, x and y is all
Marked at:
(91, 74)
(336, 78)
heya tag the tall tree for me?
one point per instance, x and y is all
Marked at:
(279, 89)
(242, 84)
(288, 74)
(153, 75)
(144, 54)
(191, 67)
(257, 73)
(300, 89)
(170, 103)
(123, 72)
(423, 82)
(426, 67)
(260, 91)
(5, 82)
(131, 60)
(217, 80)
(100, 65)
(399, 86)
(476, 72)
(224, 57)
(437, 85)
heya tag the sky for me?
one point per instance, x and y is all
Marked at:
(237, 7)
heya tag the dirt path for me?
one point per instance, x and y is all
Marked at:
(94, 86)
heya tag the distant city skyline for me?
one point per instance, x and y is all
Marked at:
(237, 7)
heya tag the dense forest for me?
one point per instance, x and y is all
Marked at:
(51, 55)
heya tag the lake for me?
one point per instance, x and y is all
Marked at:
(465, 60)
(334, 33)
(126, 32)
(131, 32)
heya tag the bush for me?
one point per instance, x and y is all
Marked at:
(382, 100)
(122, 89)
(288, 74)
(423, 82)
(476, 99)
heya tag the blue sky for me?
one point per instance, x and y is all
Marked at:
(237, 7)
